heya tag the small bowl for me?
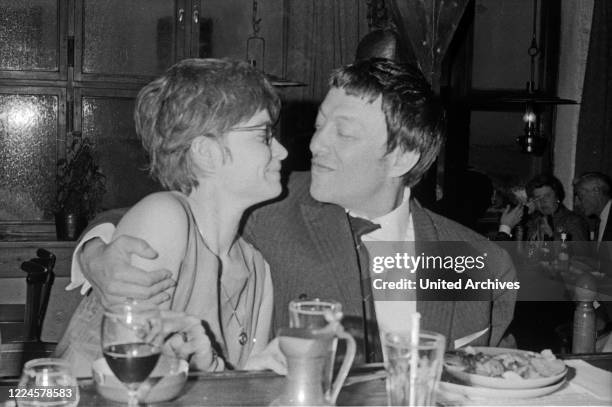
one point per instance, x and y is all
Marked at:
(167, 380)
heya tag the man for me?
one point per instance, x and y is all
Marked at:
(593, 196)
(377, 132)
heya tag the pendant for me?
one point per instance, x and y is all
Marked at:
(243, 338)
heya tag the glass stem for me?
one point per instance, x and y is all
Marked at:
(133, 397)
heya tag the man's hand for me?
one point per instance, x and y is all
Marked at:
(511, 217)
(107, 267)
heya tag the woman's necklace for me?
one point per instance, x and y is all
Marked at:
(242, 337)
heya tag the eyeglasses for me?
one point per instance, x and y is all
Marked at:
(268, 131)
(545, 197)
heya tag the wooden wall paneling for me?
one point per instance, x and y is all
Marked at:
(35, 14)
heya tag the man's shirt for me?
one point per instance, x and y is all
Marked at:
(105, 232)
(603, 221)
(398, 226)
(395, 226)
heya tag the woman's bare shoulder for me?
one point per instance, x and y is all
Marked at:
(157, 213)
(161, 221)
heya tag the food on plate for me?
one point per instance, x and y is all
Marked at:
(507, 365)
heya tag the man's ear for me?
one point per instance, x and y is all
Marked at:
(401, 161)
(207, 153)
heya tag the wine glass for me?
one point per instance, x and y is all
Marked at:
(131, 343)
(48, 382)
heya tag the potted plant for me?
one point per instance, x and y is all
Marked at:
(80, 188)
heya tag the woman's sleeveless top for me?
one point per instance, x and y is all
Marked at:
(200, 291)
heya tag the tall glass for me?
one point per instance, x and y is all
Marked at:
(47, 382)
(131, 343)
(412, 373)
(313, 314)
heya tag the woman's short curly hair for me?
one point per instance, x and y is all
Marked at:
(546, 180)
(196, 97)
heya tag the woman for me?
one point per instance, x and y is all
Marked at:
(549, 217)
(535, 323)
(207, 127)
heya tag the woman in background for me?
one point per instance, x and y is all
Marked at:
(549, 217)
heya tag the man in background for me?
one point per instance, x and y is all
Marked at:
(593, 196)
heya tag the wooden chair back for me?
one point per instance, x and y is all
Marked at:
(23, 322)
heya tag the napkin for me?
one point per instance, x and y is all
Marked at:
(596, 381)
(270, 357)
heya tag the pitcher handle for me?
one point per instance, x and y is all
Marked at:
(346, 364)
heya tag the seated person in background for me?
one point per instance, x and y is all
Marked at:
(507, 209)
(548, 216)
(593, 198)
(206, 125)
(377, 132)
(544, 323)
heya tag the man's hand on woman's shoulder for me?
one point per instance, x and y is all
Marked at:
(108, 268)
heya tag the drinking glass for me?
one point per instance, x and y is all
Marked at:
(131, 343)
(315, 314)
(47, 382)
(412, 373)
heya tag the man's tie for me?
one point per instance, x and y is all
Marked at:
(360, 227)
(598, 229)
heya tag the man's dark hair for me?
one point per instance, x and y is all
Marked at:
(414, 115)
(546, 180)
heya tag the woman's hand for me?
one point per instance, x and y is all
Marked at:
(511, 216)
(188, 340)
(545, 227)
(531, 206)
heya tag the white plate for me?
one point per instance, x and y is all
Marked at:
(498, 382)
(452, 390)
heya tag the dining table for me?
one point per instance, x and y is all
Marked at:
(365, 386)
